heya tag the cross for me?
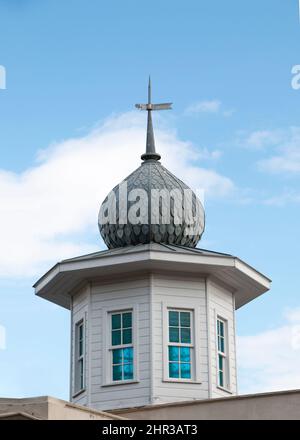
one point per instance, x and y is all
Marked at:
(150, 143)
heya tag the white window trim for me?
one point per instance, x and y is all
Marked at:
(226, 355)
(76, 389)
(107, 347)
(195, 332)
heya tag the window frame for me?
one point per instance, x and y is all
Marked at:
(121, 346)
(79, 359)
(189, 345)
(197, 352)
(107, 347)
(223, 354)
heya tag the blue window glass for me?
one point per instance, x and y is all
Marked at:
(185, 319)
(127, 320)
(179, 362)
(116, 337)
(128, 355)
(222, 347)
(80, 353)
(117, 372)
(185, 354)
(221, 329)
(185, 371)
(80, 339)
(185, 335)
(173, 318)
(222, 359)
(128, 371)
(117, 356)
(173, 353)
(174, 334)
(221, 336)
(174, 370)
(127, 336)
(180, 358)
(221, 362)
(121, 336)
(123, 364)
(116, 321)
(221, 378)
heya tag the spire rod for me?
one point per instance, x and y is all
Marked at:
(149, 90)
(150, 142)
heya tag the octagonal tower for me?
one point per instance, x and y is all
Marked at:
(152, 317)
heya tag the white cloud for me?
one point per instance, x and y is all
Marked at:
(212, 106)
(283, 149)
(270, 360)
(229, 113)
(262, 138)
(209, 106)
(283, 199)
(45, 209)
(286, 159)
(287, 162)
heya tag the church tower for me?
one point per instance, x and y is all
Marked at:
(153, 316)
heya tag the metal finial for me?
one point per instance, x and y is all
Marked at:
(150, 142)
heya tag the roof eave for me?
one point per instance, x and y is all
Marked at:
(254, 282)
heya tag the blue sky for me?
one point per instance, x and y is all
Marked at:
(75, 69)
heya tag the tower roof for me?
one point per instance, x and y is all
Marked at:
(151, 204)
(60, 281)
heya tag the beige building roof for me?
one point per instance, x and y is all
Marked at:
(49, 408)
(280, 405)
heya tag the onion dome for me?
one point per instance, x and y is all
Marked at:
(151, 204)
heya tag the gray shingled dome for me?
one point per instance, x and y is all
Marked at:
(152, 175)
(166, 209)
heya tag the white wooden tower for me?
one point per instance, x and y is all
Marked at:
(152, 317)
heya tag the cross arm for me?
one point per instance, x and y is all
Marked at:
(164, 106)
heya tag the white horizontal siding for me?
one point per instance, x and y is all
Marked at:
(221, 303)
(178, 291)
(149, 295)
(121, 295)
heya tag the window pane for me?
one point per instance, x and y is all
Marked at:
(128, 371)
(221, 359)
(174, 370)
(173, 353)
(127, 320)
(221, 379)
(127, 355)
(116, 337)
(185, 371)
(185, 336)
(81, 373)
(185, 354)
(116, 321)
(173, 319)
(221, 328)
(117, 372)
(127, 336)
(174, 334)
(80, 331)
(222, 347)
(185, 319)
(117, 356)
(80, 348)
